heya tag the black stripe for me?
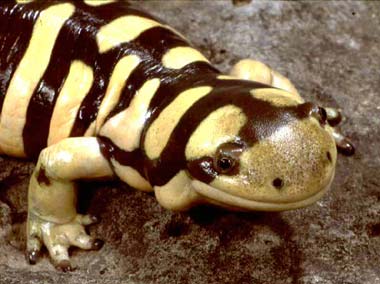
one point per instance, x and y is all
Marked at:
(177, 81)
(134, 159)
(42, 102)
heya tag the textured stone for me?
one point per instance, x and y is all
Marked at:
(331, 51)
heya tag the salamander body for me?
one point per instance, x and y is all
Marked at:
(100, 89)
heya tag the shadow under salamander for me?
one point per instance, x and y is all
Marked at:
(236, 226)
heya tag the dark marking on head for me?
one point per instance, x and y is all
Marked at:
(278, 183)
(202, 169)
(42, 178)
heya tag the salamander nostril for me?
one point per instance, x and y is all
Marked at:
(328, 154)
(278, 183)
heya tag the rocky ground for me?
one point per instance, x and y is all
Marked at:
(331, 51)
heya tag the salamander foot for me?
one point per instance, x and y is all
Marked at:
(58, 238)
(343, 144)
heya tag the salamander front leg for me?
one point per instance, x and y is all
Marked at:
(52, 217)
(344, 145)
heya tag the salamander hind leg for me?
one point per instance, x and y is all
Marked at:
(52, 217)
(249, 69)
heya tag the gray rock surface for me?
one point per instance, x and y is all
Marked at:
(331, 51)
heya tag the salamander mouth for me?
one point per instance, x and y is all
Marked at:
(224, 199)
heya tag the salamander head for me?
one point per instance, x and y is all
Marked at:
(262, 151)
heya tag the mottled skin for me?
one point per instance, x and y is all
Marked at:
(290, 164)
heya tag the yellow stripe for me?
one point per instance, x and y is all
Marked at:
(226, 77)
(24, 1)
(160, 130)
(124, 129)
(28, 74)
(178, 57)
(98, 2)
(277, 97)
(224, 124)
(121, 30)
(120, 74)
(77, 85)
(130, 176)
(91, 130)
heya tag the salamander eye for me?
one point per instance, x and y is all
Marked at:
(226, 160)
(225, 164)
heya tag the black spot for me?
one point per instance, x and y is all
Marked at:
(222, 51)
(42, 178)
(328, 154)
(278, 183)
(353, 13)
